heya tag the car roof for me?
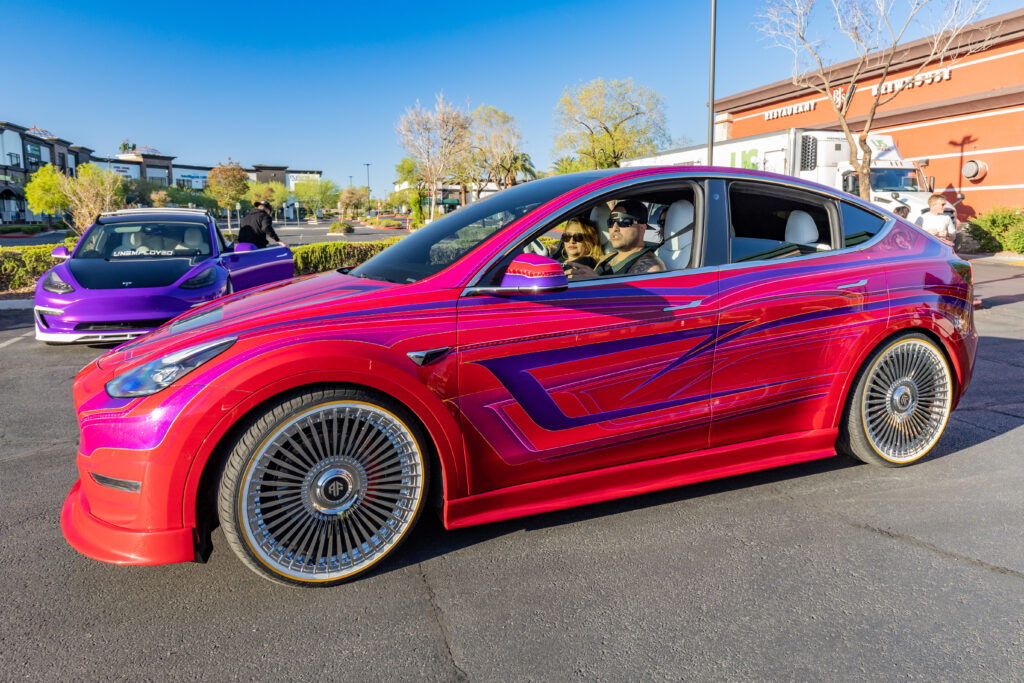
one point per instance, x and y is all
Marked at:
(135, 215)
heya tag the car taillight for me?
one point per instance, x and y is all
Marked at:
(963, 269)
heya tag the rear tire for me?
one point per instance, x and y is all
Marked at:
(900, 403)
(323, 485)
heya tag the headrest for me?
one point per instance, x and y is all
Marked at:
(193, 238)
(677, 220)
(800, 228)
(600, 215)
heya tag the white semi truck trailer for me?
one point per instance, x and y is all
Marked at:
(822, 156)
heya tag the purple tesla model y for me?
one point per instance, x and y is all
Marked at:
(135, 269)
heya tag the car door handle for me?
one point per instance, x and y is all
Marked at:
(692, 304)
(851, 285)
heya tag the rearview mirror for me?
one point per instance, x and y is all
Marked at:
(60, 252)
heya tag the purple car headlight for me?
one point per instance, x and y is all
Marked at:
(54, 283)
(155, 375)
(203, 279)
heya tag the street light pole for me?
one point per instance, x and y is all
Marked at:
(711, 89)
(367, 179)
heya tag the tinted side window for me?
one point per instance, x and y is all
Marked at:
(769, 224)
(859, 225)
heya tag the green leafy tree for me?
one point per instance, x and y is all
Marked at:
(160, 198)
(604, 122)
(92, 192)
(567, 164)
(316, 194)
(44, 193)
(184, 197)
(408, 172)
(228, 184)
(140, 191)
(276, 194)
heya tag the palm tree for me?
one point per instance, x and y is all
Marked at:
(519, 164)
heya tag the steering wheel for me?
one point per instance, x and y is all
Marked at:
(536, 247)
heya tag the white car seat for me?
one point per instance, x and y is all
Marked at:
(130, 242)
(675, 252)
(801, 229)
(194, 241)
(600, 214)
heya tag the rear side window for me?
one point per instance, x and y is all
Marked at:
(770, 223)
(859, 225)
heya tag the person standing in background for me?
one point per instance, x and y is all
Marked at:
(936, 222)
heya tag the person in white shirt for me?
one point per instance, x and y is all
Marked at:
(937, 223)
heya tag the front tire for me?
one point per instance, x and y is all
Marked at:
(323, 485)
(900, 403)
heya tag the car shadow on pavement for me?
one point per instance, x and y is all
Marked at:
(15, 320)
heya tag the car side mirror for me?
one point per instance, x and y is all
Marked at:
(244, 246)
(60, 252)
(532, 274)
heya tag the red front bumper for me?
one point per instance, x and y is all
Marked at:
(109, 543)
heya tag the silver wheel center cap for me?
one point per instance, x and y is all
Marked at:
(336, 488)
(903, 399)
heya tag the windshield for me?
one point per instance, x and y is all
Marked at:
(897, 180)
(145, 240)
(440, 244)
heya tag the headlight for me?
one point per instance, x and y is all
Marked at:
(155, 375)
(54, 283)
(203, 279)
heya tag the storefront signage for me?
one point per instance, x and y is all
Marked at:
(925, 78)
(790, 110)
(126, 170)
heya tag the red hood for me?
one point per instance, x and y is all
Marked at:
(299, 298)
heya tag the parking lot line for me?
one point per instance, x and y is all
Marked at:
(14, 339)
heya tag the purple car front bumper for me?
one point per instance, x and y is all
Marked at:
(111, 315)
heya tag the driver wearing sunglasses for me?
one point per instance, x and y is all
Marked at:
(626, 229)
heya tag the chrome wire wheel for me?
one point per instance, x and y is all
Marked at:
(906, 400)
(331, 491)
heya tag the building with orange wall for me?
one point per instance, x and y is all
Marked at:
(967, 109)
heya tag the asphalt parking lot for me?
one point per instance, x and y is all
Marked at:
(828, 570)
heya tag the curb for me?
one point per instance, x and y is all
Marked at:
(992, 258)
(16, 304)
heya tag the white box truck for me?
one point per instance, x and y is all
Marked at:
(822, 156)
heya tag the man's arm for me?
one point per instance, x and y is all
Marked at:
(268, 229)
(648, 263)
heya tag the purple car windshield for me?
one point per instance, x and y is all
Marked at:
(145, 240)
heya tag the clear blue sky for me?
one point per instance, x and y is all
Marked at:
(322, 87)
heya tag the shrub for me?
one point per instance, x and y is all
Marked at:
(341, 226)
(1013, 238)
(324, 256)
(22, 266)
(991, 228)
(23, 229)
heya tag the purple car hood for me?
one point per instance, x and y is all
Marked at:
(100, 273)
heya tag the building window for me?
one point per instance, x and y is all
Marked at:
(13, 159)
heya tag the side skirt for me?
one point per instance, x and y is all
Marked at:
(640, 477)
